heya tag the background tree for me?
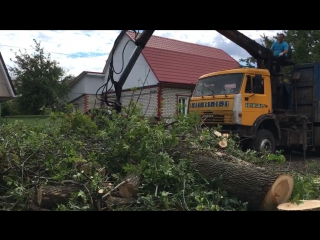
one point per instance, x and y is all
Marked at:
(249, 62)
(42, 82)
(305, 48)
(9, 108)
(305, 45)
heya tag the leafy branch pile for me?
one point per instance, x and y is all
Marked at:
(113, 162)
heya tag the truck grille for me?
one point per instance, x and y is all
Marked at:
(213, 118)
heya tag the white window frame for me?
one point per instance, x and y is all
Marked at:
(75, 107)
(185, 110)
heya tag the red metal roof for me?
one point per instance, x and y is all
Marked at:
(174, 61)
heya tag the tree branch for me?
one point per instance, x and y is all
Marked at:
(115, 188)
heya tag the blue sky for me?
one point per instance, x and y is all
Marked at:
(87, 50)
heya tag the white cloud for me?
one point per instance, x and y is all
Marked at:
(62, 44)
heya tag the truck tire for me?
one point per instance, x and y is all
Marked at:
(265, 140)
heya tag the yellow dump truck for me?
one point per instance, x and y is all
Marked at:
(262, 110)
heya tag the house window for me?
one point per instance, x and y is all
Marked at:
(183, 104)
(75, 107)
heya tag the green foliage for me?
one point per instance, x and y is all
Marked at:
(249, 62)
(42, 83)
(306, 187)
(305, 48)
(9, 108)
(77, 123)
(278, 157)
(234, 149)
(50, 154)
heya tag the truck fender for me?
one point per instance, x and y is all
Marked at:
(263, 118)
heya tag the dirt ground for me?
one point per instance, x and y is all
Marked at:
(295, 162)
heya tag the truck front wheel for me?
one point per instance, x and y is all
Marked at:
(264, 141)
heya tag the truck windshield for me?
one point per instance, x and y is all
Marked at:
(219, 84)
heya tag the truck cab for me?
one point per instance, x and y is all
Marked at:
(237, 99)
(232, 97)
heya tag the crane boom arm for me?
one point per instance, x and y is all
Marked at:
(262, 54)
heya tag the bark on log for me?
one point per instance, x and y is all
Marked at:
(130, 188)
(236, 160)
(117, 201)
(228, 158)
(306, 205)
(262, 190)
(33, 207)
(50, 196)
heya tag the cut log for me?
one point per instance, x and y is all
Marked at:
(218, 134)
(50, 196)
(223, 143)
(101, 191)
(306, 205)
(279, 192)
(262, 190)
(130, 188)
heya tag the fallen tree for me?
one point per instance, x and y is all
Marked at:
(127, 163)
